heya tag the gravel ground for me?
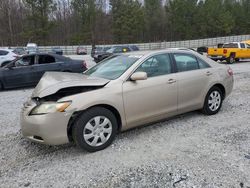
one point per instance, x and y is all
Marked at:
(191, 150)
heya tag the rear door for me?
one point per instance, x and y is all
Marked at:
(46, 63)
(194, 77)
(21, 72)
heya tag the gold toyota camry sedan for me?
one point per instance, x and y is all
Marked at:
(122, 92)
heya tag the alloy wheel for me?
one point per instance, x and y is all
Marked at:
(214, 101)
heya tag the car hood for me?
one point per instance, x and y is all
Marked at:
(51, 82)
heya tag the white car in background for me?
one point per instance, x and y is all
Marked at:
(6, 56)
(32, 48)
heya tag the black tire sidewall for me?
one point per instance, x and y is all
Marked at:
(206, 110)
(1, 86)
(231, 59)
(82, 120)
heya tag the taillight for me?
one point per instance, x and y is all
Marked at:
(230, 72)
(225, 51)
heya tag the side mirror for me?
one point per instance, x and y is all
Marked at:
(139, 76)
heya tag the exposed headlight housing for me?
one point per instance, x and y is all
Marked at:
(50, 107)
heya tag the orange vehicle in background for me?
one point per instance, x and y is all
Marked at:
(231, 52)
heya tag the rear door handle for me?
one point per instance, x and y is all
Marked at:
(208, 73)
(171, 81)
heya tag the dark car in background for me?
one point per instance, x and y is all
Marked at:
(28, 69)
(114, 50)
(57, 50)
(134, 47)
(99, 50)
(19, 51)
(81, 50)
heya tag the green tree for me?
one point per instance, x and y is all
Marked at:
(182, 16)
(85, 12)
(38, 21)
(128, 22)
(216, 19)
(154, 20)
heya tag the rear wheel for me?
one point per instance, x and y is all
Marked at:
(95, 129)
(213, 101)
(231, 59)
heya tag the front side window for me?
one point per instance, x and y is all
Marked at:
(25, 61)
(185, 62)
(156, 66)
(113, 67)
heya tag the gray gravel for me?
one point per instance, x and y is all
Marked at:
(191, 150)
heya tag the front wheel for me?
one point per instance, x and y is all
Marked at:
(95, 129)
(213, 101)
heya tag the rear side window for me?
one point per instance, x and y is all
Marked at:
(185, 62)
(156, 66)
(242, 45)
(46, 59)
(3, 52)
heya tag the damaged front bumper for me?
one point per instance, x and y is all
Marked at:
(48, 129)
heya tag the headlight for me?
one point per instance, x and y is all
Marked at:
(49, 107)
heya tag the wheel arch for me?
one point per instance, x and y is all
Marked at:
(222, 88)
(77, 114)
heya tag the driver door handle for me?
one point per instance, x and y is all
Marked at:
(171, 81)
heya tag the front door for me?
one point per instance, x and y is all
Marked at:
(20, 73)
(149, 100)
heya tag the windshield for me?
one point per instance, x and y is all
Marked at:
(113, 67)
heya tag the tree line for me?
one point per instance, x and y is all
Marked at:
(81, 22)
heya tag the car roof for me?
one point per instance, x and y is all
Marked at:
(51, 54)
(7, 49)
(148, 52)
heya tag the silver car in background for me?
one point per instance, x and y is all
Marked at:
(122, 92)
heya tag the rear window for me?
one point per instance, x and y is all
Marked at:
(231, 45)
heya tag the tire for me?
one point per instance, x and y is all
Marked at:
(1, 86)
(231, 59)
(5, 63)
(213, 101)
(237, 60)
(95, 129)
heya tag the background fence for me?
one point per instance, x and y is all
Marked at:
(209, 42)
